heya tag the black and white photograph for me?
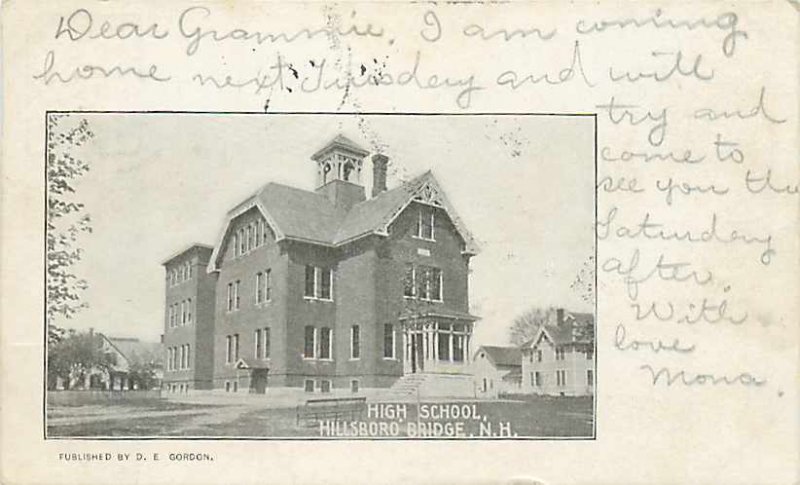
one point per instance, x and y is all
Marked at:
(320, 276)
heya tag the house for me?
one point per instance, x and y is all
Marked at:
(559, 360)
(131, 365)
(324, 289)
(497, 370)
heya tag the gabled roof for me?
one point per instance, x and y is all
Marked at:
(568, 332)
(134, 350)
(302, 215)
(505, 356)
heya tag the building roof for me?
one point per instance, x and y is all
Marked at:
(571, 330)
(307, 216)
(340, 141)
(505, 356)
(186, 250)
(135, 350)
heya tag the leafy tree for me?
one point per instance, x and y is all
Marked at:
(528, 323)
(583, 284)
(66, 219)
(76, 355)
(142, 368)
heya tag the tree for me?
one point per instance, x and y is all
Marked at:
(142, 368)
(583, 284)
(527, 324)
(66, 219)
(76, 355)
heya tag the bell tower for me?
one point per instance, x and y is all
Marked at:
(339, 166)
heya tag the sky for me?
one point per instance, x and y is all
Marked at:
(523, 185)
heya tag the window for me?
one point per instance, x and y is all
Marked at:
(355, 342)
(458, 347)
(319, 283)
(589, 354)
(189, 269)
(388, 341)
(485, 386)
(227, 386)
(325, 385)
(257, 343)
(169, 358)
(435, 284)
(561, 378)
(310, 280)
(253, 236)
(444, 337)
(189, 310)
(183, 312)
(537, 379)
(408, 284)
(180, 357)
(325, 343)
(260, 233)
(187, 356)
(235, 347)
(427, 282)
(354, 385)
(309, 344)
(268, 285)
(590, 377)
(264, 232)
(308, 385)
(242, 242)
(538, 355)
(259, 287)
(236, 295)
(247, 239)
(230, 297)
(325, 276)
(425, 223)
(559, 353)
(235, 249)
(228, 349)
(266, 335)
(235, 386)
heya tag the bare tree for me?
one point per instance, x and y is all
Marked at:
(66, 219)
(583, 284)
(528, 323)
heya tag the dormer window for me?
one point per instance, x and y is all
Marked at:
(425, 223)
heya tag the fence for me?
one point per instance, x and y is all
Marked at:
(96, 396)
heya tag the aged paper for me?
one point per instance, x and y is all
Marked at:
(308, 242)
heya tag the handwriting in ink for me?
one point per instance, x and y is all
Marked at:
(192, 28)
(475, 30)
(727, 22)
(634, 275)
(622, 342)
(760, 109)
(670, 187)
(648, 229)
(758, 183)
(705, 311)
(89, 71)
(78, 25)
(320, 76)
(574, 70)
(661, 75)
(609, 184)
(632, 115)
(680, 376)
(431, 20)
(606, 154)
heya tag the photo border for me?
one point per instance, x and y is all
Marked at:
(597, 379)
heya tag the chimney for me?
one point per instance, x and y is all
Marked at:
(559, 316)
(379, 163)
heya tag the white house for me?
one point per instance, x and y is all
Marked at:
(559, 360)
(496, 370)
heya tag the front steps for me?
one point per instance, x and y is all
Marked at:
(434, 385)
